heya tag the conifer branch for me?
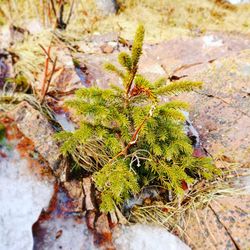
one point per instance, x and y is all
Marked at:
(178, 87)
(135, 135)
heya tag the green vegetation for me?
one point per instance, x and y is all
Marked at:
(2, 131)
(130, 138)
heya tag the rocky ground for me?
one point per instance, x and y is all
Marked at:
(219, 112)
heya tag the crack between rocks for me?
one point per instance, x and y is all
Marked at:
(229, 234)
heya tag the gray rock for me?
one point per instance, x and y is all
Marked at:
(37, 128)
(107, 6)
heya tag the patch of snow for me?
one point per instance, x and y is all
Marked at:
(66, 233)
(81, 75)
(5, 36)
(34, 26)
(211, 41)
(245, 69)
(238, 1)
(146, 237)
(66, 124)
(190, 129)
(22, 197)
(138, 199)
(106, 6)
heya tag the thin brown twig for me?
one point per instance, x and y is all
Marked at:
(49, 13)
(53, 8)
(46, 53)
(49, 80)
(129, 85)
(135, 136)
(46, 68)
(61, 10)
(70, 11)
(130, 82)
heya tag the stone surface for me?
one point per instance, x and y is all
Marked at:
(61, 225)
(220, 113)
(107, 6)
(221, 108)
(222, 225)
(103, 235)
(106, 48)
(37, 128)
(6, 67)
(75, 192)
(88, 190)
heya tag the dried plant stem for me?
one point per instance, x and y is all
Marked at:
(53, 8)
(47, 76)
(70, 11)
(46, 68)
(49, 80)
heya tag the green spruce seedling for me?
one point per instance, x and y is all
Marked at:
(130, 138)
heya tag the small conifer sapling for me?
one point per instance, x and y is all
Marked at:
(130, 138)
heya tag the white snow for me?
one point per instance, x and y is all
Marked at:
(66, 124)
(244, 68)
(34, 26)
(146, 237)
(190, 128)
(74, 235)
(22, 197)
(238, 1)
(5, 36)
(138, 199)
(212, 41)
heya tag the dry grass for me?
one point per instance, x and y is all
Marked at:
(163, 19)
(9, 98)
(30, 61)
(175, 215)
